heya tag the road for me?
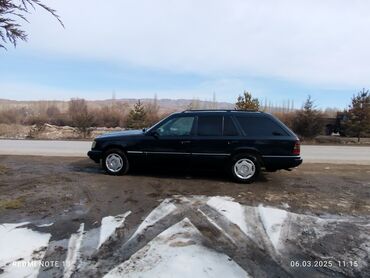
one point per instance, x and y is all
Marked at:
(310, 153)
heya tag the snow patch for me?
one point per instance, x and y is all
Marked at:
(217, 226)
(109, 225)
(234, 211)
(273, 220)
(20, 246)
(177, 253)
(73, 252)
(45, 225)
(164, 209)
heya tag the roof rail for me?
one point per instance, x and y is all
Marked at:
(218, 110)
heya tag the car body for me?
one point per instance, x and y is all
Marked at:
(241, 141)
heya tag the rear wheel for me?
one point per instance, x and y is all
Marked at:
(115, 162)
(244, 168)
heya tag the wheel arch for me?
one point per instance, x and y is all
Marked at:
(114, 146)
(250, 151)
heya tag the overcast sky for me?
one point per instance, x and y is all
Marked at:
(278, 50)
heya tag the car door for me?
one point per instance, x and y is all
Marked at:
(210, 147)
(170, 142)
(264, 134)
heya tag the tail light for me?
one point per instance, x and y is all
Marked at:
(297, 148)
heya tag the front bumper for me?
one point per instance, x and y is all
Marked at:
(95, 155)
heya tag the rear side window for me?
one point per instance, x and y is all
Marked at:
(260, 126)
(229, 127)
(210, 125)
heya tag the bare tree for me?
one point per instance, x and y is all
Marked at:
(12, 12)
(80, 116)
(194, 104)
(152, 111)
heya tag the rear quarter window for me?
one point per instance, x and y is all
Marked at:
(260, 126)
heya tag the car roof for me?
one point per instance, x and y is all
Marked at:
(220, 111)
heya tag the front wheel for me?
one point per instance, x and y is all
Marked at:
(115, 162)
(244, 168)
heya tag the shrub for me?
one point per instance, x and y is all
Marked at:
(287, 118)
(79, 115)
(108, 117)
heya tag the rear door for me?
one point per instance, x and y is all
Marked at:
(213, 140)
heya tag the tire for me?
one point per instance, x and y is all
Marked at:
(115, 162)
(249, 168)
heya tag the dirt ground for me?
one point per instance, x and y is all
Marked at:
(69, 190)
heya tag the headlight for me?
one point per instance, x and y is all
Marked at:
(93, 144)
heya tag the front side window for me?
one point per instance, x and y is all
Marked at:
(210, 125)
(180, 126)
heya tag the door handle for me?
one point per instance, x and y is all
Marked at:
(185, 142)
(232, 142)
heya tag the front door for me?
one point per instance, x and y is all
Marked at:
(170, 143)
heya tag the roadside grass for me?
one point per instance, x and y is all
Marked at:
(12, 203)
(3, 169)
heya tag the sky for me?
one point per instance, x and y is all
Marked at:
(278, 50)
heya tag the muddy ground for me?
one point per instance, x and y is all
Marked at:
(70, 190)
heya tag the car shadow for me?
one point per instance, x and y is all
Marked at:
(86, 166)
(190, 173)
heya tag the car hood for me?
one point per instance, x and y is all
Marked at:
(120, 134)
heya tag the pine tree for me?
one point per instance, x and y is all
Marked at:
(308, 122)
(246, 102)
(137, 117)
(358, 122)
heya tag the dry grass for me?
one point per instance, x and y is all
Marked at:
(12, 203)
(14, 131)
(3, 169)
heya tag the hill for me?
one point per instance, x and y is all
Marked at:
(166, 105)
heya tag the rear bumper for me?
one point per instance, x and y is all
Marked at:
(95, 155)
(281, 162)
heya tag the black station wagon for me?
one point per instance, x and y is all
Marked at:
(242, 142)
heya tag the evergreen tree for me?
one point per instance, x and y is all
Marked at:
(308, 122)
(247, 102)
(137, 117)
(358, 122)
(13, 14)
